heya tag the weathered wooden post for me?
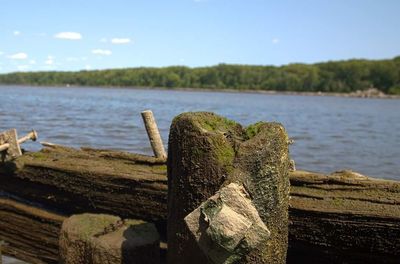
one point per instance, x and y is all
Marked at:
(153, 134)
(10, 144)
(207, 153)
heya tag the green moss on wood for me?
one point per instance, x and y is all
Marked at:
(88, 225)
(209, 121)
(253, 129)
(38, 155)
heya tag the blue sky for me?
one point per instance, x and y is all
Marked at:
(74, 35)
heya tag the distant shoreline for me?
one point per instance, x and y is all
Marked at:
(270, 92)
(358, 94)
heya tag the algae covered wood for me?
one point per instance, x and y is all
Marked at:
(344, 217)
(101, 238)
(74, 181)
(207, 152)
(30, 233)
(334, 217)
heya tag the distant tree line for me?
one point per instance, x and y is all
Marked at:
(336, 76)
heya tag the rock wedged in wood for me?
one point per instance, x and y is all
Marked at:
(227, 226)
(207, 152)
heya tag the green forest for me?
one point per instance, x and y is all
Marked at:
(333, 76)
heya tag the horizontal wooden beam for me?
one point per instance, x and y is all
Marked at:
(72, 181)
(343, 218)
(337, 217)
(31, 234)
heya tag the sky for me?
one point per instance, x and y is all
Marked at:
(72, 35)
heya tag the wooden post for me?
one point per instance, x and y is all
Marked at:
(207, 152)
(154, 134)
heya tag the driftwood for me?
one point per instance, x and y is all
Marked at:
(333, 218)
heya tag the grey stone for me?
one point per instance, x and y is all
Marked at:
(227, 226)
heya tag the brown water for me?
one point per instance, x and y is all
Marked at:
(330, 133)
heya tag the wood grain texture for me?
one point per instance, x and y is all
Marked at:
(73, 181)
(31, 234)
(335, 218)
(344, 217)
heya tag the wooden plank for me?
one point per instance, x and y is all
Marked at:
(333, 218)
(31, 233)
(72, 181)
(344, 217)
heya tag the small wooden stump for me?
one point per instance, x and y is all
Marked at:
(207, 152)
(95, 239)
(77, 233)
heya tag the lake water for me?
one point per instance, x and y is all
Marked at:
(330, 133)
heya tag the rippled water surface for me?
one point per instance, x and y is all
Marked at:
(330, 133)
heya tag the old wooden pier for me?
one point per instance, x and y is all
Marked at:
(344, 217)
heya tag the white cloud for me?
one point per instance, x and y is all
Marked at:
(32, 62)
(18, 56)
(68, 35)
(275, 41)
(16, 33)
(88, 67)
(120, 40)
(102, 52)
(1, 53)
(104, 40)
